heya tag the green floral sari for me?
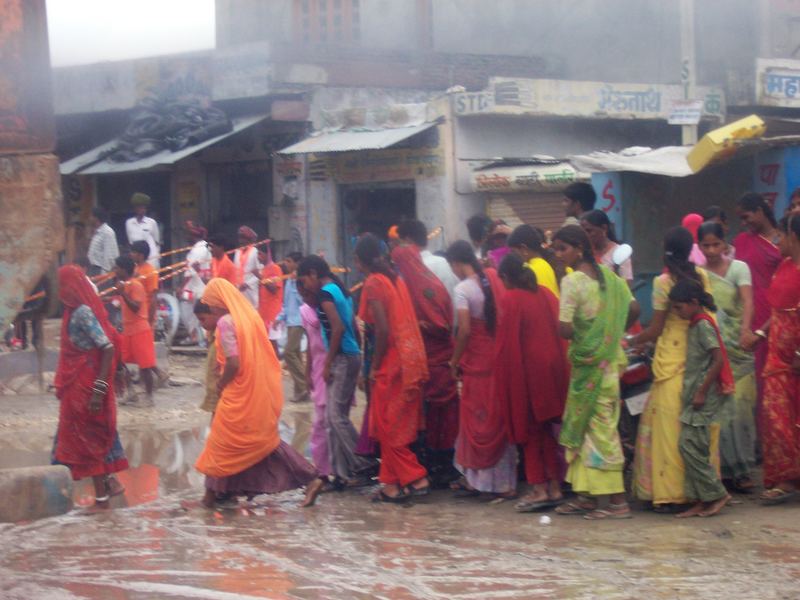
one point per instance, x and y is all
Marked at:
(596, 344)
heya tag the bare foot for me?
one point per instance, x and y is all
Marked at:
(313, 490)
(209, 499)
(113, 486)
(713, 508)
(695, 510)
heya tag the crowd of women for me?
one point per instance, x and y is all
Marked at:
(512, 373)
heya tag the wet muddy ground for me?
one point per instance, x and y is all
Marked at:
(347, 547)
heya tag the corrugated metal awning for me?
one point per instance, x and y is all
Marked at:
(93, 163)
(348, 141)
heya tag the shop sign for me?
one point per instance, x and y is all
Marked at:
(686, 112)
(778, 82)
(380, 165)
(542, 178)
(556, 97)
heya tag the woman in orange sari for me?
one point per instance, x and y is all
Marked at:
(244, 454)
(398, 374)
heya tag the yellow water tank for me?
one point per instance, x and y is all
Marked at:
(719, 144)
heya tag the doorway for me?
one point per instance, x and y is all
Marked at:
(372, 208)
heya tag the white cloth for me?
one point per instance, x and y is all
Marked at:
(625, 269)
(193, 286)
(249, 279)
(103, 248)
(441, 268)
(147, 230)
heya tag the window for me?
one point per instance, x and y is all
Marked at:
(327, 21)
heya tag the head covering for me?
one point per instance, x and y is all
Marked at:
(692, 222)
(393, 233)
(196, 230)
(245, 425)
(140, 199)
(247, 233)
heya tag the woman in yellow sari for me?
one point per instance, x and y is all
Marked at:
(658, 466)
(244, 454)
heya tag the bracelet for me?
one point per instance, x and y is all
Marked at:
(760, 333)
(797, 353)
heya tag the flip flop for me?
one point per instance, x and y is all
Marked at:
(466, 493)
(572, 508)
(418, 492)
(602, 514)
(775, 496)
(382, 496)
(526, 506)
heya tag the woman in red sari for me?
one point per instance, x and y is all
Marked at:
(398, 374)
(483, 452)
(87, 440)
(780, 409)
(434, 311)
(531, 377)
(757, 246)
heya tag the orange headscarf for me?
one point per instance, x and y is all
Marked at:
(245, 425)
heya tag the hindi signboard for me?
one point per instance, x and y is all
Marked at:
(685, 112)
(778, 82)
(557, 97)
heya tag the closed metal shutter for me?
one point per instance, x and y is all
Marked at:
(542, 210)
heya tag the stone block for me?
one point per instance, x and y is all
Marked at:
(29, 493)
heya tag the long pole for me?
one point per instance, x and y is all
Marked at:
(688, 66)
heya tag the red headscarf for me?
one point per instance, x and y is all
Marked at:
(84, 438)
(432, 303)
(692, 222)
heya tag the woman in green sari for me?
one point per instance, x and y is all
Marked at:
(732, 288)
(596, 307)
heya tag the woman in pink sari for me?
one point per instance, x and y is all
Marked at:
(757, 246)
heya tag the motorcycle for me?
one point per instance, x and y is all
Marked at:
(635, 381)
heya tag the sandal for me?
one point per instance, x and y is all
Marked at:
(613, 512)
(776, 495)
(574, 508)
(382, 496)
(529, 506)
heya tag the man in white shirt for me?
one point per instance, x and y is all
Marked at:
(198, 272)
(142, 227)
(103, 247)
(246, 260)
(478, 227)
(579, 198)
(415, 232)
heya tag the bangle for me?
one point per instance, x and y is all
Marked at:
(760, 333)
(797, 353)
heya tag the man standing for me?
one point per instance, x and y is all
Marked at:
(103, 247)
(290, 315)
(478, 227)
(270, 295)
(147, 276)
(415, 233)
(140, 227)
(136, 340)
(221, 265)
(579, 197)
(198, 272)
(246, 260)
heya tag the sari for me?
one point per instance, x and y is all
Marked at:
(531, 377)
(87, 443)
(395, 410)
(658, 466)
(319, 395)
(434, 311)
(737, 442)
(483, 451)
(589, 425)
(780, 410)
(245, 425)
(763, 257)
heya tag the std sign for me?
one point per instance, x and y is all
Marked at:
(473, 103)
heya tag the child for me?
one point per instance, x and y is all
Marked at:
(315, 364)
(136, 341)
(270, 295)
(707, 383)
(209, 322)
